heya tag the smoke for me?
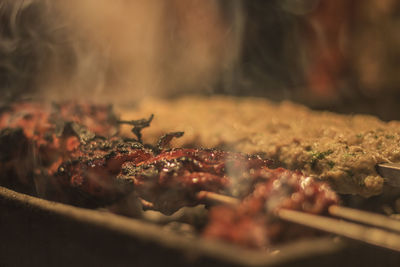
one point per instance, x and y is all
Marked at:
(118, 51)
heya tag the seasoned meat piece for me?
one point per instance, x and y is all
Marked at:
(253, 223)
(71, 153)
(37, 119)
(35, 138)
(90, 175)
(171, 179)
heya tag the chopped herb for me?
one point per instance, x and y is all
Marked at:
(375, 136)
(389, 136)
(331, 164)
(315, 156)
(348, 155)
(359, 135)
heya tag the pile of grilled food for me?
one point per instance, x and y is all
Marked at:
(74, 153)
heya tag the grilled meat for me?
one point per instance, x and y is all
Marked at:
(88, 166)
(171, 179)
(253, 223)
(91, 174)
(65, 161)
(51, 153)
(35, 138)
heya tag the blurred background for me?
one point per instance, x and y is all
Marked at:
(338, 55)
(341, 55)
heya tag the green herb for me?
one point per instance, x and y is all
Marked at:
(389, 136)
(331, 164)
(359, 135)
(348, 155)
(320, 155)
(315, 156)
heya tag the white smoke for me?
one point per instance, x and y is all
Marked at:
(118, 50)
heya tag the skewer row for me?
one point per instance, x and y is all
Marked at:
(372, 234)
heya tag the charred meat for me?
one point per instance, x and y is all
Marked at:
(171, 179)
(71, 153)
(89, 166)
(35, 137)
(253, 223)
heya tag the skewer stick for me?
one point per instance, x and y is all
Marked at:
(214, 198)
(365, 217)
(369, 235)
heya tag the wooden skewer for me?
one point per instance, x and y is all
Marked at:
(365, 217)
(369, 235)
(214, 198)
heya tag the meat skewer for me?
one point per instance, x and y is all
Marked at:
(35, 138)
(253, 222)
(88, 169)
(91, 166)
(359, 216)
(171, 179)
(358, 232)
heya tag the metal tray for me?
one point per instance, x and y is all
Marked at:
(37, 232)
